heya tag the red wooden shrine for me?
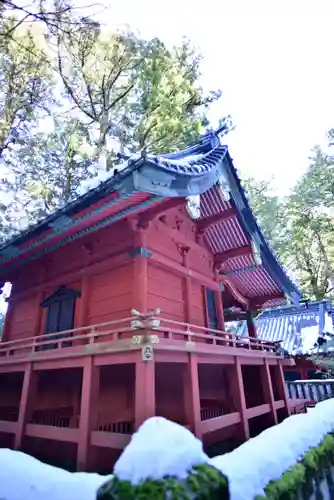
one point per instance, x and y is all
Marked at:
(117, 314)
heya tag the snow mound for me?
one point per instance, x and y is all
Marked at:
(265, 458)
(22, 477)
(160, 448)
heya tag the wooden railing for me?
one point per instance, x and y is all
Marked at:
(211, 412)
(116, 427)
(56, 417)
(311, 390)
(131, 328)
(9, 413)
(175, 330)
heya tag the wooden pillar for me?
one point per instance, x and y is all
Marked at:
(27, 400)
(268, 389)
(38, 316)
(219, 304)
(140, 272)
(281, 386)
(84, 301)
(145, 400)
(192, 403)
(88, 410)
(251, 325)
(83, 315)
(238, 395)
(186, 285)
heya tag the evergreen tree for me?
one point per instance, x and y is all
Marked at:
(48, 171)
(132, 91)
(300, 227)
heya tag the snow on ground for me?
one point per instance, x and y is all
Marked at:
(161, 447)
(25, 478)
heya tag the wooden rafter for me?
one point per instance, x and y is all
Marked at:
(222, 257)
(203, 224)
(258, 302)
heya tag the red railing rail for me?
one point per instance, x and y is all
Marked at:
(210, 335)
(127, 328)
(91, 332)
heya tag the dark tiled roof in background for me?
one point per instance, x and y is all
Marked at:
(286, 323)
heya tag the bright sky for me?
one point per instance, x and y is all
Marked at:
(272, 59)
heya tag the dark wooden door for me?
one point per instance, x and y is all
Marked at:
(60, 317)
(211, 313)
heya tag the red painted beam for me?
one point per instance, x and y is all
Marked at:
(222, 257)
(204, 224)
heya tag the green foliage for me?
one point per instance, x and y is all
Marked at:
(203, 483)
(269, 210)
(134, 91)
(118, 92)
(300, 227)
(325, 362)
(25, 83)
(48, 171)
(305, 476)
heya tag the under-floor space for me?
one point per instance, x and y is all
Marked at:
(10, 395)
(52, 452)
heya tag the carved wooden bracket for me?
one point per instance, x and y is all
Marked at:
(157, 210)
(183, 249)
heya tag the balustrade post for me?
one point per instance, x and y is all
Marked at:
(89, 407)
(27, 400)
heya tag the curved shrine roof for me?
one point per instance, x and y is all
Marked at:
(204, 170)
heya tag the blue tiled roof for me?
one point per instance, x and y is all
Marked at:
(197, 170)
(287, 324)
